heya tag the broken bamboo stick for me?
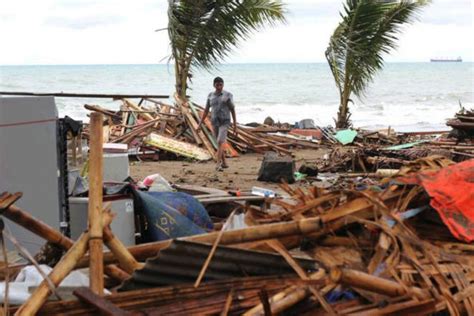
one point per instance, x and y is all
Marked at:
(125, 259)
(375, 284)
(289, 297)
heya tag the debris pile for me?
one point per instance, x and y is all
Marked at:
(462, 124)
(400, 245)
(152, 131)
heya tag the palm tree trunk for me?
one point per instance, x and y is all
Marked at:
(343, 114)
(182, 74)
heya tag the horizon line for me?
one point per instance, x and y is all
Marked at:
(222, 64)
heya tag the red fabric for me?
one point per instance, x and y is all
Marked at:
(452, 195)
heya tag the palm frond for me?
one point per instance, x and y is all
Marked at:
(369, 30)
(203, 32)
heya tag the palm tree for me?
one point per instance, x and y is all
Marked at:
(369, 29)
(203, 32)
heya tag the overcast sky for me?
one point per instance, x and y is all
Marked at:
(122, 32)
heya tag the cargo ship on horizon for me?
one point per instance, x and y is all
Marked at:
(448, 60)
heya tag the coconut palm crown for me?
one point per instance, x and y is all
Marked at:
(203, 32)
(369, 29)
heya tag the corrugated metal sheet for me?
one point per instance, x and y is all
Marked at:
(182, 261)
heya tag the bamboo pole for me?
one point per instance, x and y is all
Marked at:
(254, 233)
(61, 270)
(213, 250)
(312, 227)
(277, 246)
(375, 284)
(289, 297)
(43, 230)
(37, 227)
(116, 273)
(95, 204)
(125, 259)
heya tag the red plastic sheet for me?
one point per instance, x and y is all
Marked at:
(452, 195)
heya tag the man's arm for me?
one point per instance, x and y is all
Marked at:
(234, 118)
(206, 112)
(231, 106)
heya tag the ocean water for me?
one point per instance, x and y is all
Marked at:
(406, 96)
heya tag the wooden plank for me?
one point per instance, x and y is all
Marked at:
(96, 108)
(165, 109)
(104, 306)
(206, 128)
(139, 110)
(193, 128)
(177, 147)
(172, 295)
(255, 138)
(193, 124)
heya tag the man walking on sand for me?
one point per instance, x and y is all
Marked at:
(222, 105)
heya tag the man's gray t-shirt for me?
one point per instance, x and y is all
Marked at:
(220, 105)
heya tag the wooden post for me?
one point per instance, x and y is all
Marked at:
(96, 264)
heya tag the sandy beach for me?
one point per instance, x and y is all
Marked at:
(242, 172)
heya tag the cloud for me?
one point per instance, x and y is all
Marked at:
(123, 31)
(81, 23)
(442, 12)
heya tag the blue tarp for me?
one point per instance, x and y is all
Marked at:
(171, 215)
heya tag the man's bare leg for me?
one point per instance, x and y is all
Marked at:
(219, 157)
(223, 159)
